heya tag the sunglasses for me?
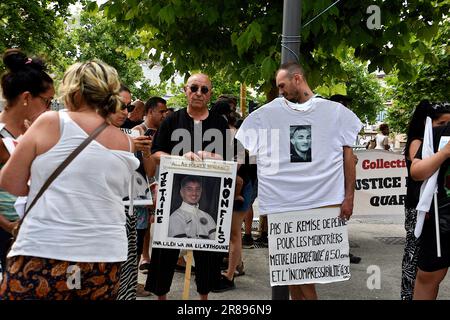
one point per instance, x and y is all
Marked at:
(203, 89)
(47, 101)
(129, 107)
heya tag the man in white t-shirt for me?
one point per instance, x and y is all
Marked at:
(286, 184)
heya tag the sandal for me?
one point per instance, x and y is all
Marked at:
(239, 270)
(144, 266)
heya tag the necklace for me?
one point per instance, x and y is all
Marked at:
(145, 125)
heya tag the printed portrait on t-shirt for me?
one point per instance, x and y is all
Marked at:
(194, 206)
(300, 143)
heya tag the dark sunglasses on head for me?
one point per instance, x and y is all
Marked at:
(129, 107)
(203, 89)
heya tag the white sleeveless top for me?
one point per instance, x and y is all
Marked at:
(80, 217)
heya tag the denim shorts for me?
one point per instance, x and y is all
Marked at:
(247, 192)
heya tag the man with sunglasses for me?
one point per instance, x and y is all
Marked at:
(189, 132)
(135, 114)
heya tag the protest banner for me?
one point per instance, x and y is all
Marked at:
(194, 204)
(381, 179)
(309, 246)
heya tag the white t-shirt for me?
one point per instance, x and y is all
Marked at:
(382, 141)
(278, 132)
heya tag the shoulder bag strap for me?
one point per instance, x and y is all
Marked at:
(65, 163)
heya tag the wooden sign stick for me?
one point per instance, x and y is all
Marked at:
(187, 275)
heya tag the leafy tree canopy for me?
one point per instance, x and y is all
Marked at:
(31, 25)
(363, 88)
(432, 81)
(243, 37)
(95, 37)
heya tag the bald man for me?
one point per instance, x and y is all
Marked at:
(135, 115)
(189, 124)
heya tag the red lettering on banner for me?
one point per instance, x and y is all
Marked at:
(383, 164)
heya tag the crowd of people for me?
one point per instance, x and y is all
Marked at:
(76, 166)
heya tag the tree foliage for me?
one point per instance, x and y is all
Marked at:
(243, 37)
(45, 29)
(94, 37)
(32, 25)
(432, 81)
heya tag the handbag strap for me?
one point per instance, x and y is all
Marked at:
(65, 163)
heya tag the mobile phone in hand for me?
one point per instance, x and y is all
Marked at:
(149, 132)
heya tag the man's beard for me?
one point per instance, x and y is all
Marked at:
(295, 97)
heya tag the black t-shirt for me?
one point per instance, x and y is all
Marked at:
(128, 124)
(171, 140)
(443, 179)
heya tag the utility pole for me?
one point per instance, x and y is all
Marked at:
(290, 51)
(243, 99)
(290, 38)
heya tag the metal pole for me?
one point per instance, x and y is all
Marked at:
(243, 99)
(290, 38)
(290, 51)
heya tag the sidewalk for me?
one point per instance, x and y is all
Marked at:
(378, 240)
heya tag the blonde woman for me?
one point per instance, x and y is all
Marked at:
(72, 242)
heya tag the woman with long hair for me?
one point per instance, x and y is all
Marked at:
(440, 115)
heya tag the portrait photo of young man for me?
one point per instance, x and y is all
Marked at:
(301, 143)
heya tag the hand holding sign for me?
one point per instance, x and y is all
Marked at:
(192, 156)
(209, 155)
(202, 155)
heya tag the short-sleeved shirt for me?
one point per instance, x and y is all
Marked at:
(179, 134)
(128, 124)
(283, 184)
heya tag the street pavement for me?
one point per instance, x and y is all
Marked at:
(378, 240)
